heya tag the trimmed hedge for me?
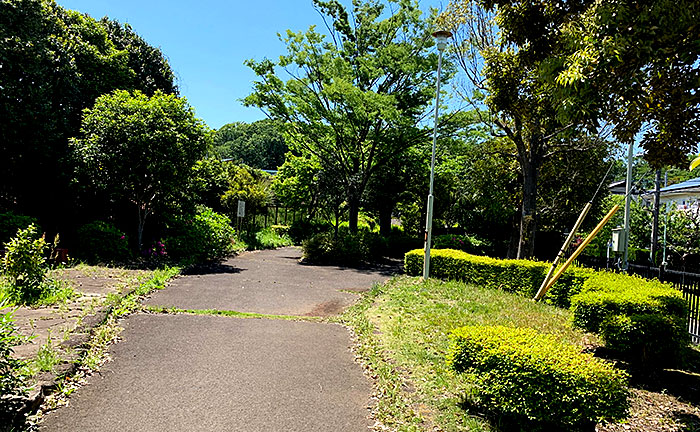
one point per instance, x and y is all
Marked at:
(522, 373)
(606, 294)
(644, 320)
(518, 276)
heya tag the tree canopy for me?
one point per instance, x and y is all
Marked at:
(260, 144)
(56, 62)
(139, 149)
(507, 89)
(340, 96)
(633, 64)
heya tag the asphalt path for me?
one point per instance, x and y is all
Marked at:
(215, 373)
(270, 282)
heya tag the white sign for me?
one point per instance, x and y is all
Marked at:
(241, 209)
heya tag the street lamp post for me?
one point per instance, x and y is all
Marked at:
(441, 37)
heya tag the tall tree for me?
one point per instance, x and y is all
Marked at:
(139, 149)
(345, 92)
(54, 63)
(634, 64)
(506, 86)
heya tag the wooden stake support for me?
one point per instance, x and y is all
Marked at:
(562, 251)
(578, 251)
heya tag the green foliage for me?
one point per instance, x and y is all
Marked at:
(683, 236)
(648, 339)
(10, 223)
(327, 248)
(204, 236)
(606, 294)
(139, 149)
(25, 266)
(11, 378)
(267, 238)
(522, 373)
(102, 242)
(55, 63)
(209, 181)
(519, 276)
(249, 185)
(465, 243)
(260, 144)
(640, 84)
(643, 320)
(344, 248)
(304, 228)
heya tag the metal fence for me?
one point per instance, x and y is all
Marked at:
(687, 283)
(265, 217)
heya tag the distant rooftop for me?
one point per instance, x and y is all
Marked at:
(689, 184)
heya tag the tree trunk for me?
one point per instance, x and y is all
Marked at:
(353, 214)
(143, 213)
(528, 216)
(514, 238)
(385, 221)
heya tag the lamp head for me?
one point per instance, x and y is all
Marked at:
(441, 37)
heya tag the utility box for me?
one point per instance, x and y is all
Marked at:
(618, 239)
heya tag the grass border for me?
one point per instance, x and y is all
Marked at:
(393, 410)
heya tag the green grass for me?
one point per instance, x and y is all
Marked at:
(47, 358)
(266, 238)
(402, 330)
(231, 313)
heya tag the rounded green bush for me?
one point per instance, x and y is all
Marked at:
(204, 236)
(649, 340)
(101, 241)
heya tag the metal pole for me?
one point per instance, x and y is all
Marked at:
(628, 200)
(655, 220)
(429, 216)
(663, 261)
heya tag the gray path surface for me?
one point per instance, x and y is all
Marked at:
(270, 282)
(208, 373)
(214, 373)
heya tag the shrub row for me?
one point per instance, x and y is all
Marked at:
(522, 373)
(518, 276)
(645, 320)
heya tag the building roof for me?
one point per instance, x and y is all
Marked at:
(691, 184)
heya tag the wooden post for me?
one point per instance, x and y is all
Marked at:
(562, 251)
(580, 249)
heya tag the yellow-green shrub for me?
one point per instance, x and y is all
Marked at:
(521, 373)
(518, 276)
(606, 294)
(644, 320)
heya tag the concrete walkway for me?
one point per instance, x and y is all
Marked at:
(213, 373)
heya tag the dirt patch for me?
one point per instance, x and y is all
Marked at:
(329, 308)
(656, 412)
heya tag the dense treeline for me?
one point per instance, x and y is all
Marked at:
(54, 63)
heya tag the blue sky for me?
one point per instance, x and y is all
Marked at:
(208, 41)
